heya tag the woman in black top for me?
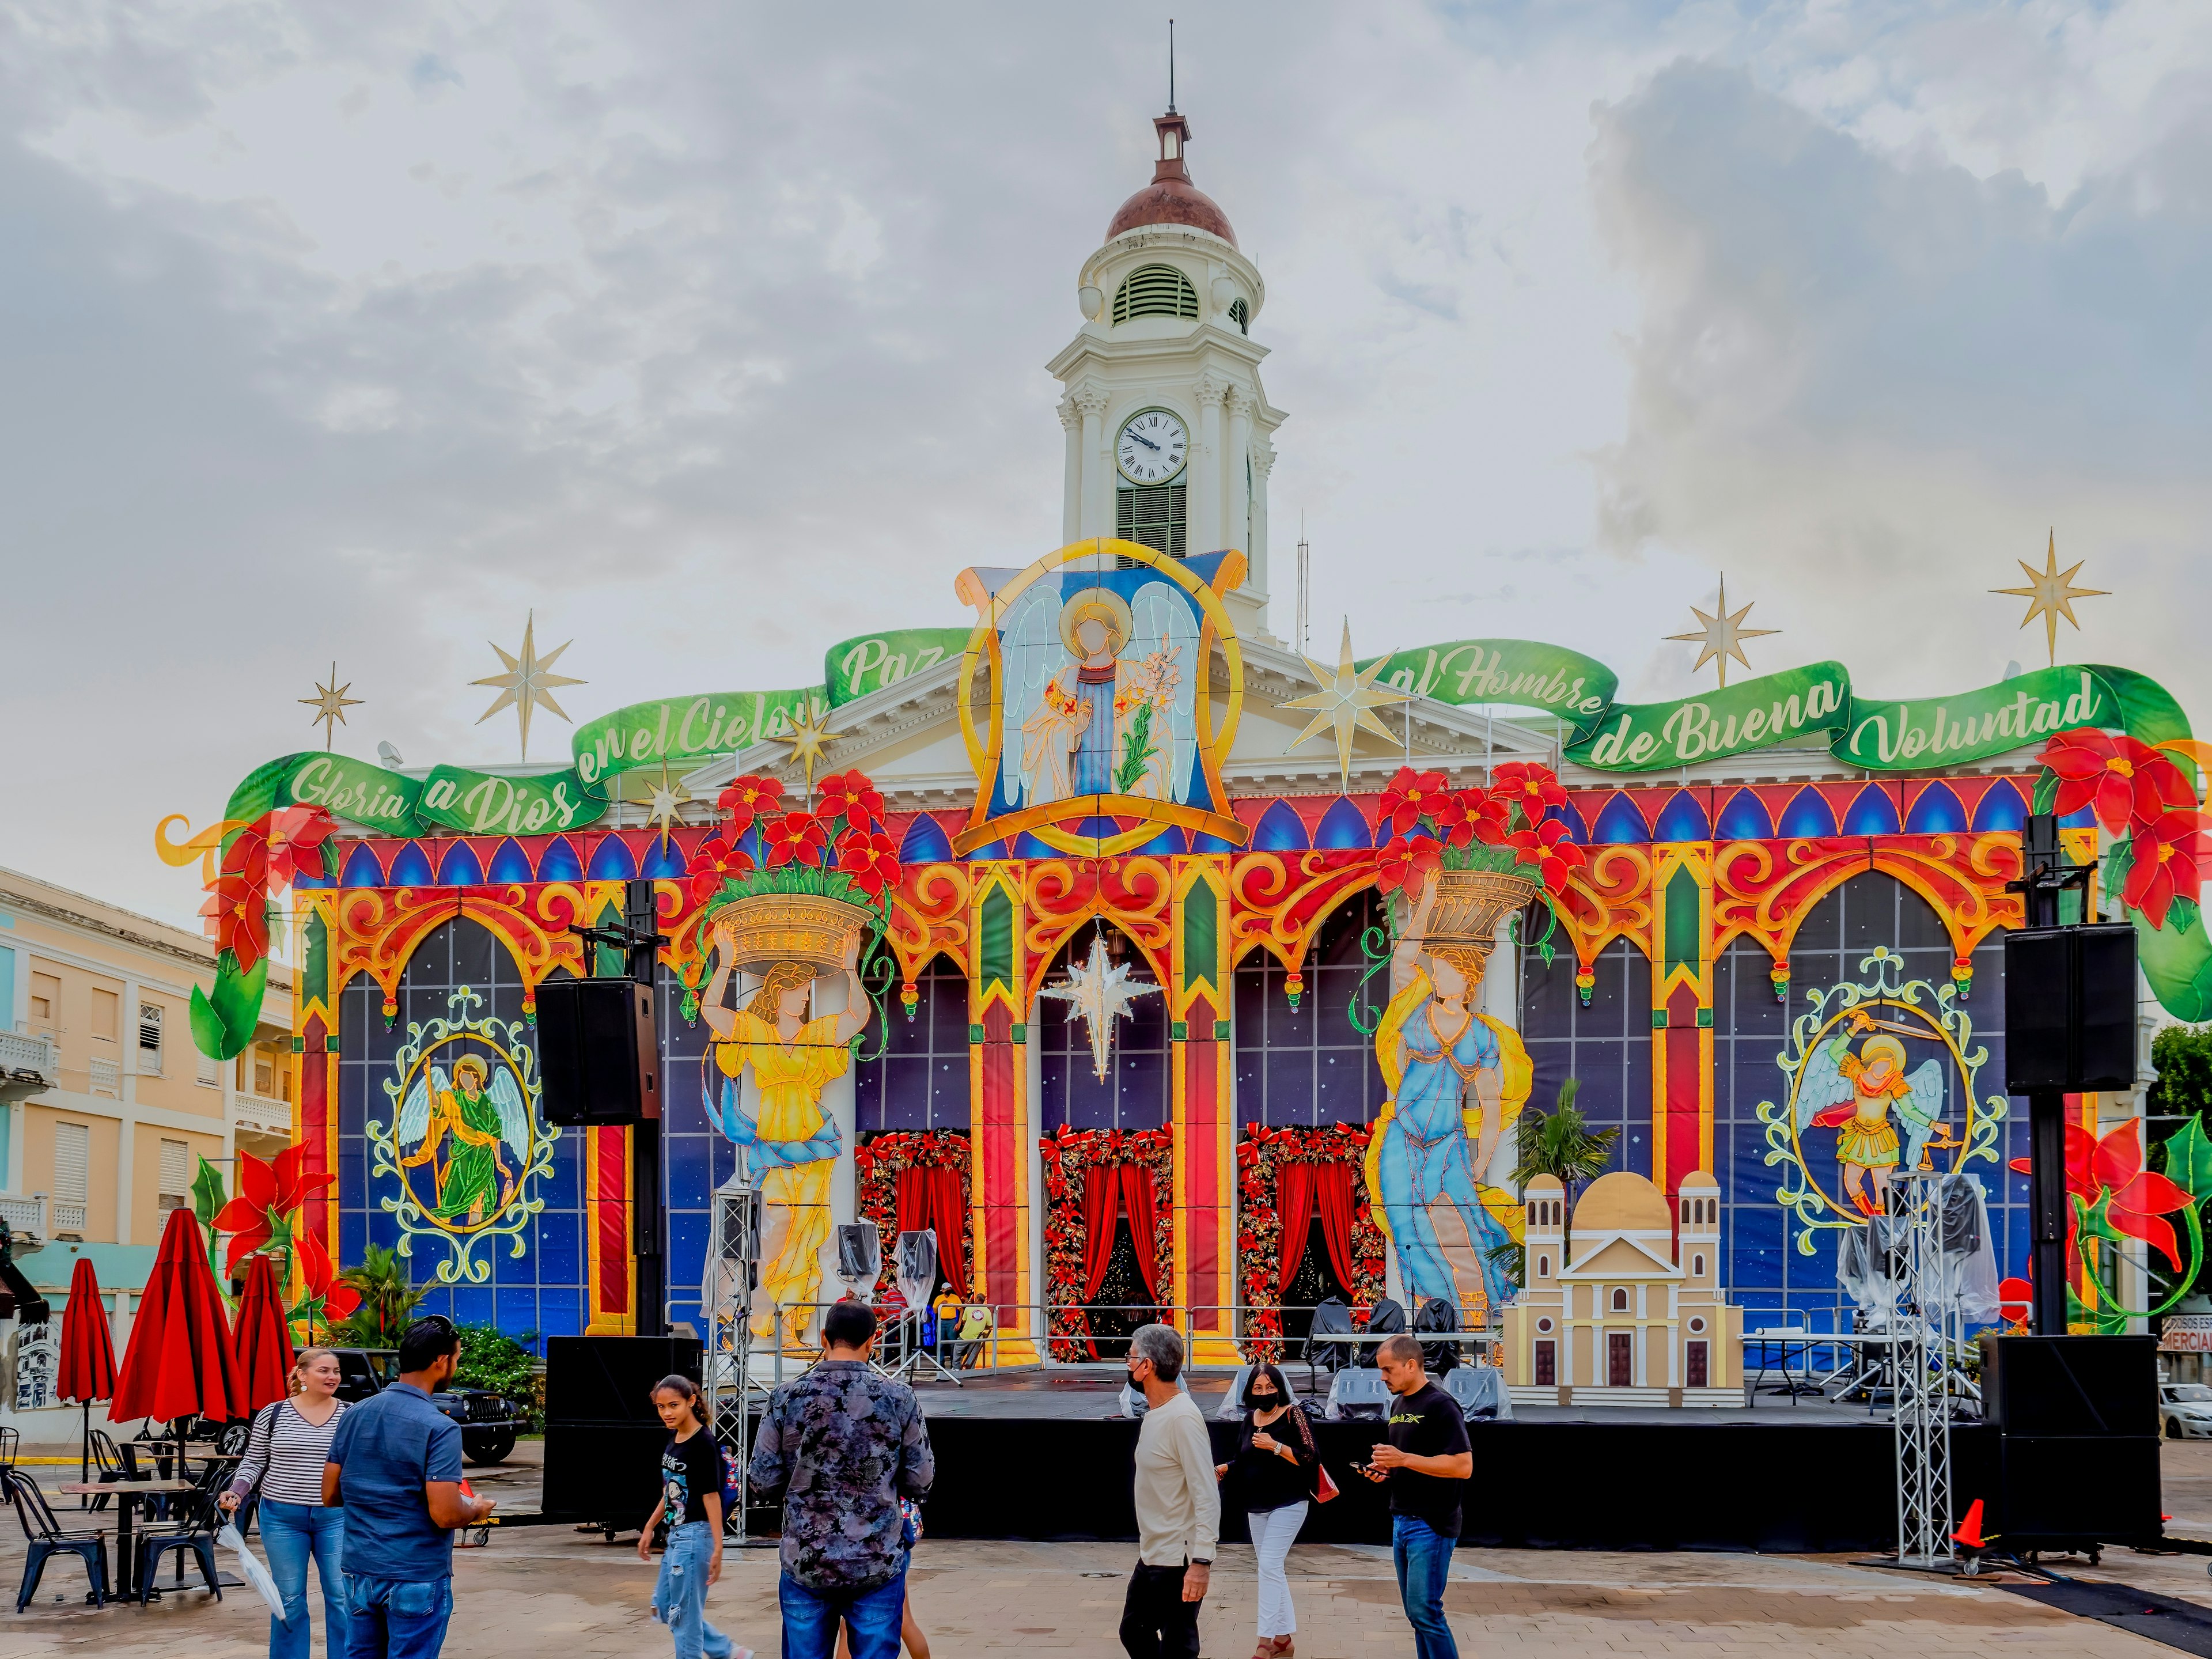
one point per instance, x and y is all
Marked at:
(1273, 1472)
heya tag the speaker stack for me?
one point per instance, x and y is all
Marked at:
(599, 1051)
(2078, 1439)
(603, 1436)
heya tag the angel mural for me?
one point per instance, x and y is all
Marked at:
(1100, 694)
(472, 1130)
(1855, 1094)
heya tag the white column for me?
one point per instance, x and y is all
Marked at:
(841, 1100)
(1237, 494)
(1071, 513)
(1098, 464)
(1263, 463)
(1206, 468)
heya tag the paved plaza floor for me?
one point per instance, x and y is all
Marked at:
(540, 1591)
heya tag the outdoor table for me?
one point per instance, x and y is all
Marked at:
(126, 1493)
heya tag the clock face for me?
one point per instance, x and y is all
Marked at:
(1151, 447)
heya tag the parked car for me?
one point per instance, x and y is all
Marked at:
(2185, 1410)
(489, 1421)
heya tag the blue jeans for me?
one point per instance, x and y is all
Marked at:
(679, 1596)
(291, 1532)
(811, 1617)
(1423, 1557)
(395, 1618)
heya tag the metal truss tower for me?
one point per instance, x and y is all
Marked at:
(726, 1308)
(1925, 1334)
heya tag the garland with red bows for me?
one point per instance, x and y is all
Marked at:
(1261, 1152)
(1069, 1154)
(877, 1162)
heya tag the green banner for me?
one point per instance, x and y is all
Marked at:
(1650, 737)
(854, 668)
(489, 804)
(1521, 674)
(353, 790)
(681, 732)
(1929, 732)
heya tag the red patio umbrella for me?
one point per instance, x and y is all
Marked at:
(179, 1360)
(262, 1339)
(88, 1359)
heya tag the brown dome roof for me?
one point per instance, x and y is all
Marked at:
(1171, 199)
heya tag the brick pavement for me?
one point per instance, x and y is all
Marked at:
(548, 1591)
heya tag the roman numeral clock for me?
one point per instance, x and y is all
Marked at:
(1151, 447)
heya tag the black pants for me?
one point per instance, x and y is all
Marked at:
(1157, 1623)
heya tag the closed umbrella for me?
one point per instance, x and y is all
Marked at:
(179, 1361)
(88, 1361)
(263, 1342)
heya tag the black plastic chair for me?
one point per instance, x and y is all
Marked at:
(1388, 1318)
(1437, 1316)
(11, 1442)
(191, 1526)
(108, 1466)
(45, 1537)
(1330, 1319)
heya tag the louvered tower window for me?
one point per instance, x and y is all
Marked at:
(1158, 517)
(1241, 314)
(1156, 291)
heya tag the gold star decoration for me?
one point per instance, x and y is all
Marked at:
(2051, 594)
(1345, 703)
(810, 738)
(330, 703)
(664, 803)
(527, 682)
(1723, 635)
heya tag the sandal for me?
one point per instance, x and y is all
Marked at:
(1284, 1648)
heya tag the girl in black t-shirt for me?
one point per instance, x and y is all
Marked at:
(1273, 1473)
(691, 1499)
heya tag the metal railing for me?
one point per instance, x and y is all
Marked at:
(260, 1114)
(24, 1214)
(30, 1064)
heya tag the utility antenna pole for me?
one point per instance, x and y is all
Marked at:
(1305, 571)
(1171, 109)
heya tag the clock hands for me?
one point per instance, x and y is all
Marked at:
(1143, 439)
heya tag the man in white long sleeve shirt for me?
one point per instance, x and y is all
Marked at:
(1178, 1506)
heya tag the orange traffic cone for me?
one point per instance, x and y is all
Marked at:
(1970, 1530)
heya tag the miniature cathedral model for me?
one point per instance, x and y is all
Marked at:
(1625, 1309)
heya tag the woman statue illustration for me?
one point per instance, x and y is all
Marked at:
(791, 1145)
(1457, 1079)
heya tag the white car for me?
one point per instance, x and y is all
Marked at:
(2185, 1409)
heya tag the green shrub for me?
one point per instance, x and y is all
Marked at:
(492, 1359)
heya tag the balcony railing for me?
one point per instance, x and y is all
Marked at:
(24, 1214)
(107, 1078)
(68, 1217)
(258, 1114)
(30, 1064)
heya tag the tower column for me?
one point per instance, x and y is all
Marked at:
(1098, 465)
(1256, 557)
(1205, 467)
(1236, 472)
(1070, 512)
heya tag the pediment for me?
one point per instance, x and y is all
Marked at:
(1622, 1257)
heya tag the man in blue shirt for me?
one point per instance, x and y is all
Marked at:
(396, 1466)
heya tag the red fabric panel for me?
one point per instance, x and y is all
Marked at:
(315, 1134)
(1201, 1195)
(1333, 1194)
(1001, 1283)
(1101, 1205)
(950, 1217)
(611, 1216)
(1294, 1203)
(1137, 1195)
(87, 1370)
(1682, 1087)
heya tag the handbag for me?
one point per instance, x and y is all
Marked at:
(1325, 1489)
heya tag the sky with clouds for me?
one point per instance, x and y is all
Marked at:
(714, 332)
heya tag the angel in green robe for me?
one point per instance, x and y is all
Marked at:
(464, 1125)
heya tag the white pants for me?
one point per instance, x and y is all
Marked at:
(1273, 1532)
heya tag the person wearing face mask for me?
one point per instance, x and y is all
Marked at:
(1273, 1473)
(1178, 1510)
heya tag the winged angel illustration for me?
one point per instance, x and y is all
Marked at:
(1100, 694)
(1855, 1094)
(473, 1131)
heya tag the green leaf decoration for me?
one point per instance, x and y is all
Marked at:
(2177, 960)
(2183, 912)
(2046, 791)
(1137, 750)
(208, 1196)
(223, 1025)
(2188, 1159)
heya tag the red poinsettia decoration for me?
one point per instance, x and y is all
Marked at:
(327, 1298)
(2113, 1167)
(296, 838)
(1528, 786)
(238, 906)
(1412, 795)
(794, 838)
(2172, 854)
(1547, 847)
(871, 858)
(2127, 783)
(269, 1194)
(748, 799)
(1408, 863)
(715, 862)
(852, 797)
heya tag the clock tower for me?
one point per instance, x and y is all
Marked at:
(1168, 427)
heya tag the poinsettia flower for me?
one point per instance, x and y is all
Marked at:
(2173, 856)
(1407, 863)
(1486, 820)
(2112, 1166)
(871, 860)
(1547, 847)
(2015, 1298)
(239, 908)
(296, 835)
(1410, 794)
(2126, 782)
(715, 862)
(246, 1217)
(1528, 786)
(337, 1298)
(851, 796)
(1448, 812)
(794, 838)
(748, 799)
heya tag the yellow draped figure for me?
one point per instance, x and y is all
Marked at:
(791, 1145)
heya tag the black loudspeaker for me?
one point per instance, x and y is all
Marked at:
(2078, 1427)
(2070, 1008)
(599, 1051)
(603, 1438)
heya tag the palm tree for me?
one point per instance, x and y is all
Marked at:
(388, 1300)
(1561, 1143)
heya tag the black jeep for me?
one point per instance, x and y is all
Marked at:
(489, 1421)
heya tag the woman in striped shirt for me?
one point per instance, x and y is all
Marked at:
(284, 1457)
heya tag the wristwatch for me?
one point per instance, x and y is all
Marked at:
(1197, 1563)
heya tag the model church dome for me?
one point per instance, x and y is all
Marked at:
(1622, 1202)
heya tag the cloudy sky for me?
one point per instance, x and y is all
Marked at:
(713, 332)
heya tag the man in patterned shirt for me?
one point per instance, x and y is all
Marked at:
(843, 1444)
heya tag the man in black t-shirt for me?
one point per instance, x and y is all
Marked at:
(1427, 1460)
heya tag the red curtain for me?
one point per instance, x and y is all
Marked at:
(930, 1197)
(1110, 1191)
(1300, 1189)
(1137, 1191)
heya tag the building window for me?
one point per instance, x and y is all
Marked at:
(1547, 1364)
(1543, 1267)
(1694, 1372)
(1606, 1046)
(176, 1185)
(107, 1010)
(72, 1176)
(149, 1038)
(1307, 1066)
(210, 1073)
(1241, 314)
(46, 997)
(1155, 291)
(1157, 516)
(1135, 1094)
(1697, 1266)
(1619, 1299)
(920, 1081)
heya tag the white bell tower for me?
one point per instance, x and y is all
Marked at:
(1169, 429)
